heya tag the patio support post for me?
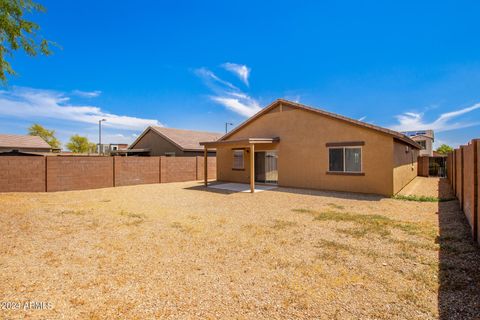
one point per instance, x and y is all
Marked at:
(205, 165)
(252, 168)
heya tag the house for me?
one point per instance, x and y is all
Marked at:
(425, 139)
(18, 144)
(293, 145)
(160, 141)
(108, 148)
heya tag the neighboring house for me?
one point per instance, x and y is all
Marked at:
(162, 141)
(108, 148)
(294, 145)
(15, 143)
(424, 138)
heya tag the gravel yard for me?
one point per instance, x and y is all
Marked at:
(178, 251)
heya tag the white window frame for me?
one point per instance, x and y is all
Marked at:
(243, 160)
(344, 167)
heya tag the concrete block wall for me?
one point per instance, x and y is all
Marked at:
(212, 168)
(22, 174)
(136, 170)
(178, 169)
(463, 167)
(78, 173)
(423, 166)
(57, 173)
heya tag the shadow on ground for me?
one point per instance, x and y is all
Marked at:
(459, 262)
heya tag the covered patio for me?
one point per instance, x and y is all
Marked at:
(241, 144)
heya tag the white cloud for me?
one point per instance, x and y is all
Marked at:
(244, 107)
(415, 121)
(34, 104)
(362, 118)
(240, 70)
(87, 94)
(228, 95)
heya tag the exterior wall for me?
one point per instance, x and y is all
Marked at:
(158, 146)
(136, 170)
(423, 166)
(477, 191)
(303, 155)
(464, 176)
(468, 183)
(212, 168)
(77, 173)
(450, 167)
(19, 174)
(177, 169)
(405, 165)
(458, 176)
(57, 173)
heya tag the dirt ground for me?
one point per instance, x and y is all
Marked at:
(180, 251)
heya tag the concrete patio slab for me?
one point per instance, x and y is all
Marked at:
(241, 187)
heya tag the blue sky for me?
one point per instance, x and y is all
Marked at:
(197, 64)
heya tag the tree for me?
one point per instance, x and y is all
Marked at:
(47, 135)
(444, 149)
(79, 144)
(17, 33)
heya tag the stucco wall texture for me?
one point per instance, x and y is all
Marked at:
(303, 155)
(36, 174)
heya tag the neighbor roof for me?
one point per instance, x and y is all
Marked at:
(394, 134)
(186, 140)
(16, 141)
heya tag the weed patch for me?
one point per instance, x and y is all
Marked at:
(420, 198)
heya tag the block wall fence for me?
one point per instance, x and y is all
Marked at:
(57, 173)
(463, 172)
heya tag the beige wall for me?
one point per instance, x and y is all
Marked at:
(405, 165)
(303, 155)
(159, 146)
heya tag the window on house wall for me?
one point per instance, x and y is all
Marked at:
(170, 154)
(238, 162)
(423, 144)
(345, 159)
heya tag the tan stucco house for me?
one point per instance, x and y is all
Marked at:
(293, 145)
(171, 142)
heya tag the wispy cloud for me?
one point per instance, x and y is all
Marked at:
(444, 122)
(35, 104)
(240, 70)
(362, 118)
(228, 95)
(87, 94)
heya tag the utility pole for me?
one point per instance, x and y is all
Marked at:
(226, 126)
(100, 149)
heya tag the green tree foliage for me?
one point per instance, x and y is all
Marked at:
(47, 135)
(79, 144)
(17, 33)
(444, 149)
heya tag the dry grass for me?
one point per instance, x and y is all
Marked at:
(176, 251)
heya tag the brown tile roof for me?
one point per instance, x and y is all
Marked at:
(188, 140)
(395, 134)
(17, 141)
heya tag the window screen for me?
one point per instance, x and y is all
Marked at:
(237, 159)
(353, 159)
(336, 159)
(423, 144)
